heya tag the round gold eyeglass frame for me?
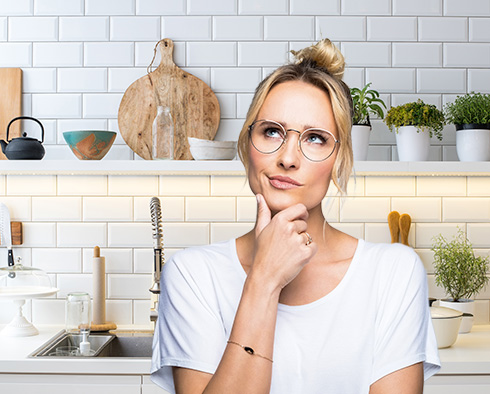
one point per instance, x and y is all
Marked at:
(250, 127)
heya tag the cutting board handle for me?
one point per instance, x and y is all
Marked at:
(167, 51)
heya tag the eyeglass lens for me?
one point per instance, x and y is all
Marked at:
(315, 144)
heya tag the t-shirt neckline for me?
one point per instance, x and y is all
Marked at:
(343, 282)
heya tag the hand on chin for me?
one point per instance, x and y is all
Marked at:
(280, 201)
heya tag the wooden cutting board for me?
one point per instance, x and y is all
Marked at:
(193, 105)
(10, 102)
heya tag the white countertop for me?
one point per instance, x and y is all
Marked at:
(469, 355)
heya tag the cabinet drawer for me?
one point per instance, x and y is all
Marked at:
(73, 384)
(457, 384)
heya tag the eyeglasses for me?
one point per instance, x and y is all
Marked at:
(268, 136)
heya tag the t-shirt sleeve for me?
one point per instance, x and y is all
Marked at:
(404, 332)
(189, 332)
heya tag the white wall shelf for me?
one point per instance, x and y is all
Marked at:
(233, 167)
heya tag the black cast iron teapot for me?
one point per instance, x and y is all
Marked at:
(23, 148)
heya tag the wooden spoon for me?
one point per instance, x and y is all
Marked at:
(393, 224)
(405, 222)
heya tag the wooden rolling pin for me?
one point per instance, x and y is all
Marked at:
(98, 278)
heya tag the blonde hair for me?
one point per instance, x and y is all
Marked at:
(321, 65)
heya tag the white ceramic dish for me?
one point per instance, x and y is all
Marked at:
(212, 150)
(446, 322)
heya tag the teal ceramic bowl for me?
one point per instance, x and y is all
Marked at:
(89, 144)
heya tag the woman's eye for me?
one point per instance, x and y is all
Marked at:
(273, 132)
(316, 138)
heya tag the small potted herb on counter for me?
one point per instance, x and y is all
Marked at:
(460, 273)
(471, 116)
(414, 124)
(365, 102)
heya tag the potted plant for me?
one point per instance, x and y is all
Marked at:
(471, 116)
(460, 273)
(415, 123)
(365, 102)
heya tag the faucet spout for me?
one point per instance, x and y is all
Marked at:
(157, 270)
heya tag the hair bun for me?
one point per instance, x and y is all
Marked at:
(325, 54)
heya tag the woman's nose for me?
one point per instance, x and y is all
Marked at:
(290, 154)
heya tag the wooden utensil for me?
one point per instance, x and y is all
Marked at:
(393, 224)
(193, 105)
(10, 102)
(405, 222)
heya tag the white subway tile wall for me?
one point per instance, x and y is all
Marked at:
(78, 58)
(64, 217)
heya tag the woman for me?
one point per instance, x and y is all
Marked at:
(295, 306)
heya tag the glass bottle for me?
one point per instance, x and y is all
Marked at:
(163, 135)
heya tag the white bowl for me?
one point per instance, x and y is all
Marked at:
(212, 150)
(446, 322)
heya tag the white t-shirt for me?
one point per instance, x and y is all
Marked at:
(374, 322)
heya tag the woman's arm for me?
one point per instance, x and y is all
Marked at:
(238, 371)
(279, 256)
(409, 380)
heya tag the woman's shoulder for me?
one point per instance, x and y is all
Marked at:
(205, 258)
(394, 256)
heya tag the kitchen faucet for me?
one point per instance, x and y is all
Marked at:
(158, 257)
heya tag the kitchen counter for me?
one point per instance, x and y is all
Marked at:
(469, 355)
(14, 358)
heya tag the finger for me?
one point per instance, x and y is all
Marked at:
(294, 212)
(263, 214)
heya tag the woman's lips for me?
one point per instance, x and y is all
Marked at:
(283, 182)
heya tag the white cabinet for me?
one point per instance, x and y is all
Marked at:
(72, 384)
(457, 384)
(148, 387)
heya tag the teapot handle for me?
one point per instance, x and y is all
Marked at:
(26, 117)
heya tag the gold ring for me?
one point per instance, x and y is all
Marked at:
(309, 240)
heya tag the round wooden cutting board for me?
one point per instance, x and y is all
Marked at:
(193, 105)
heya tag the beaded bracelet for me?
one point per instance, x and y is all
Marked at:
(250, 351)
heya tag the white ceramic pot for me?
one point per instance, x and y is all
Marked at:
(412, 144)
(473, 144)
(467, 307)
(446, 324)
(360, 141)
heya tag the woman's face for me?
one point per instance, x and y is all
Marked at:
(286, 177)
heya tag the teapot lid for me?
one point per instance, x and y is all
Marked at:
(24, 137)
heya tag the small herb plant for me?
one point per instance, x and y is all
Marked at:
(457, 269)
(366, 102)
(425, 117)
(472, 108)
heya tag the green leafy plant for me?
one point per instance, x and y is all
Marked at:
(457, 269)
(365, 102)
(425, 117)
(472, 108)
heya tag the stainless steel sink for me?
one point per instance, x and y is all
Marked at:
(113, 344)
